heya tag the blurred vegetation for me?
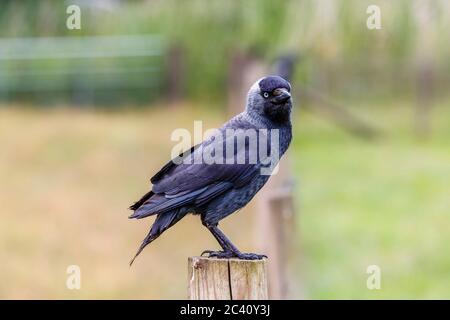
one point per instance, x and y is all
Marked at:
(71, 174)
(383, 203)
(338, 54)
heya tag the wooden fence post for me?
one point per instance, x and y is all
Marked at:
(227, 279)
(244, 69)
(176, 75)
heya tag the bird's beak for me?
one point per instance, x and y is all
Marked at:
(281, 95)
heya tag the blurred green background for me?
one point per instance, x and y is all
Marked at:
(86, 117)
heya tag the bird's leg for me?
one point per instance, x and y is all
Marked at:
(229, 249)
(235, 251)
(219, 240)
(218, 234)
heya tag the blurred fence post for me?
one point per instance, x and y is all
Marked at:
(245, 68)
(424, 99)
(226, 279)
(424, 15)
(176, 74)
(276, 229)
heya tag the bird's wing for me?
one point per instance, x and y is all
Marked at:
(188, 177)
(179, 177)
(172, 164)
(178, 184)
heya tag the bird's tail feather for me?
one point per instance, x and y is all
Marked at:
(141, 201)
(163, 222)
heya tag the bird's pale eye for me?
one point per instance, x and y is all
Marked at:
(266, 95)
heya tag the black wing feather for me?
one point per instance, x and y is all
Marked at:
(181, 183)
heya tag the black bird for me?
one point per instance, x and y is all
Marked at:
(216, 190)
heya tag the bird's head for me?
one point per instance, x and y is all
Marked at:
(270, 97)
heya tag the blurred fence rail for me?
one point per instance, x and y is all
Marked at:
(80, 67)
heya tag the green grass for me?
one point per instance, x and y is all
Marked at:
(67, 177)
(384, 203)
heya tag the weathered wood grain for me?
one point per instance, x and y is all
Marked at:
(226, 279)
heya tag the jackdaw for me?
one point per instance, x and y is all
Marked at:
(218, 188)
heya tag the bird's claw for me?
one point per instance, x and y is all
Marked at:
(231, 254)
(206, 252)
(251, 256)
(219, 254)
